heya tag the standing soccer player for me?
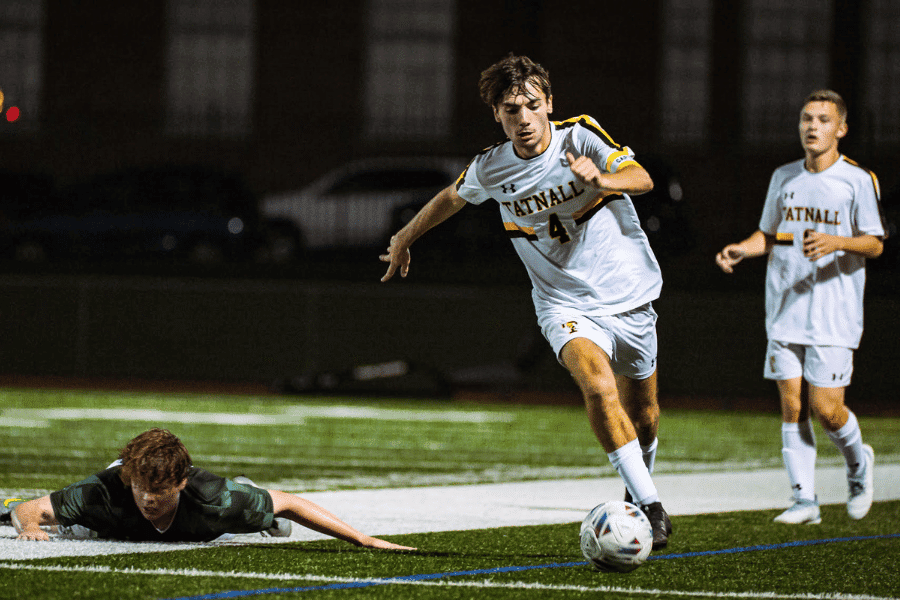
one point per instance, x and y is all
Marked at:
(562, 190)
(821, 221)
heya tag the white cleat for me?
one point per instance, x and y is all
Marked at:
(803, 512)
(862, 487)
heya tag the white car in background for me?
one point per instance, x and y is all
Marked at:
(353, 206)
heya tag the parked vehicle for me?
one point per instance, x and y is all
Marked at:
(353, 206)
(195, 214)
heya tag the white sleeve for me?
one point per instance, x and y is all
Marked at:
(469, 187)
(593, 141)
(867, 215)
(771, 215)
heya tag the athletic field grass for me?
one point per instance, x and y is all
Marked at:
(52, 438)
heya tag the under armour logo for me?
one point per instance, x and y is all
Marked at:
(508, 188)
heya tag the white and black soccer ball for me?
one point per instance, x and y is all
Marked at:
(616, 536)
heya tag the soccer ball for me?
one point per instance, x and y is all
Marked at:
(616, 536)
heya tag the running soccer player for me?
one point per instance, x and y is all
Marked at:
(153, 493)
(562, 189)
(820, 222)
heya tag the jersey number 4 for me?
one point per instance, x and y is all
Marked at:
(558, 230)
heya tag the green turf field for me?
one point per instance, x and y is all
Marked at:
(53, 438)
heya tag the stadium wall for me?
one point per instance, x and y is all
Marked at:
(711, 344)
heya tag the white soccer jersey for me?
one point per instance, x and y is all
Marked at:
(818, 302)
(582, 250)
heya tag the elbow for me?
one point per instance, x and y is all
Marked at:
(641, 186)
(878, 249)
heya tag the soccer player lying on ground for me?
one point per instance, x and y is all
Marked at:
(562, 191)
(820, 222)
(153, 493)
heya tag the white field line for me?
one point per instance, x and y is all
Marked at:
(289, 416)
(466, 584)
(292, 415)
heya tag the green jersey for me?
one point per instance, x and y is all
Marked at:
(208, 507)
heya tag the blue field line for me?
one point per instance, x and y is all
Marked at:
(432, 576)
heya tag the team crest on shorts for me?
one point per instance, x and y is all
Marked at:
(572, 326)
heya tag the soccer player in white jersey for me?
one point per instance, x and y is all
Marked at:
(821, 221)
(562, 190)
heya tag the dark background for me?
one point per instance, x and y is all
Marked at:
(103, 109)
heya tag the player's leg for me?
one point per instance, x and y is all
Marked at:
(843, 430)
(798, 450)
(592, 371)
(829, 370)
(784, 364)
(640, 397)
(590, 367)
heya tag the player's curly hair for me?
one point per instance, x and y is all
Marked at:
(510, 76)
(829, 96)
(155, 458)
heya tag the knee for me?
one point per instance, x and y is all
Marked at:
(832, 417)
(600, 394)
(647, 415)
(792, 409)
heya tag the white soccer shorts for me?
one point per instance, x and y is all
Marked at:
(822, 366)
(629, 338)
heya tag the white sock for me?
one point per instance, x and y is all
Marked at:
(799, 453)
(649, 454)
(628, 461)
(848, 440)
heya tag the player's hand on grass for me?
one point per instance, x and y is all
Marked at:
(817, 244)
(398, 257)
(730, 255)
(34, 534)
(372, 542)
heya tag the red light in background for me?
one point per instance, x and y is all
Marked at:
(12, 113)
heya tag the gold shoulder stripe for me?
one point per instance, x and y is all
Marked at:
(884, 223)
(591, 125)
(870, 172)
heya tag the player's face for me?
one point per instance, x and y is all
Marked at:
(524, 115)
(821, 126)
(155, 503)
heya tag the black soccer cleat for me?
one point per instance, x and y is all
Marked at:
(660, 522)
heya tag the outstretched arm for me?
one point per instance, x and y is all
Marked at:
(28, 518)
(313, 516)
(757, 244)
(440, 208)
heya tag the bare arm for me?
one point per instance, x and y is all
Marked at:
(313, 516)
(440, 208)
(632, 179)
(28, 518)
(817, 244)
(757, 244)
